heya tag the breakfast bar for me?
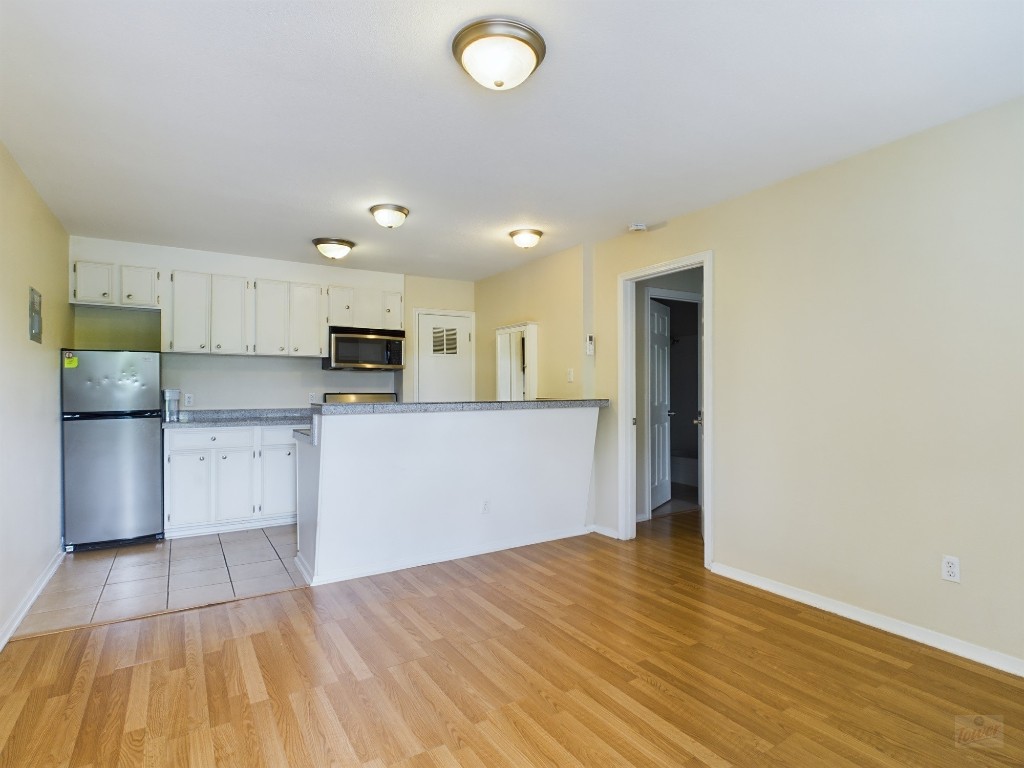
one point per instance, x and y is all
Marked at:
(386, 486)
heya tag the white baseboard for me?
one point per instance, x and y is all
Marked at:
(372, 569)
(23, 608)
(202, 529)
(304, 568)
(611, 533)
(980, 654)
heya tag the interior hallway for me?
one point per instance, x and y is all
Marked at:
(580, 652)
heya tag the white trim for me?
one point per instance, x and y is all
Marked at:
(304, 568)
(978, 653)
(530, 356)
(456, 553)
(26, 604)
(226, 526)
(416, 340)
(654, 293)
(604, 530)
(627, 392)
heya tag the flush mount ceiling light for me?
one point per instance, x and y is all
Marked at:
(389, 215)
(498, 53)
(525, 238)
(333, 248)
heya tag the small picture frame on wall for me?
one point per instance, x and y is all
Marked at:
(35, 316)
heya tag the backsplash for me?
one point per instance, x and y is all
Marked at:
(246, 381)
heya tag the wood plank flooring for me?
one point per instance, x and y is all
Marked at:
(582, 652)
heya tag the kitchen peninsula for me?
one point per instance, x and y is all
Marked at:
(394, 485)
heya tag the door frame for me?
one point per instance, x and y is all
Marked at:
(670, 295)
(627, 386)
(415, 344)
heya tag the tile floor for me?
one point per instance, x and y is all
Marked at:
(111, 584)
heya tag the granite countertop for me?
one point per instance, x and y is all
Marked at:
(339, 409)
(241, 417)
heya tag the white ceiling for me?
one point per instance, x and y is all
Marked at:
(253, 126)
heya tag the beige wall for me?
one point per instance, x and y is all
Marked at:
(547, 291)
(868, 374)
(116, 328)
(33, 253)
(429, 293)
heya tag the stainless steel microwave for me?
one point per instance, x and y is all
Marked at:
(365, 349)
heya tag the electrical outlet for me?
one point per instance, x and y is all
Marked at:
(570, 376)
(189, 399)
(312, 397)
(951, 568)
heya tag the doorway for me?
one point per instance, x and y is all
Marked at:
(632, 420)
(673, 397)
(445, 356)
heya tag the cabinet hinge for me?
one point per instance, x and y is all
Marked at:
(172, 277)
(75, 293)
(254, 509)
(74, 268)
(157, 275)
(157, 299)
(171, 345)
(471, 337)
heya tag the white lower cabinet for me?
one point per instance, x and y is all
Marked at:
(189, 474)
(228, 478)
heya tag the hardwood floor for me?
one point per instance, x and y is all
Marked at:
(582, 652)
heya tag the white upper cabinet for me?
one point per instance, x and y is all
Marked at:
(228, 316)
(94, 283)
(272, 317)
(391, 303)
(341, 306)
(190, 309)
(304, 320)
(138, 286)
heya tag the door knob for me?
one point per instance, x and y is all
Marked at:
(671, 413)
(699, 421)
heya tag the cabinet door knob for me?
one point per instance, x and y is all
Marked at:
(218, 346)
(295, 349)
(214, 437)
(130, 296)
(280, 349)
(202, 458)
(289, 453)
(388, 310)
(347, 307)
(202, 346)
(105, 294)
(224, 456)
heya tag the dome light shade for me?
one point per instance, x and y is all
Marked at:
(525, 238)
(389, 215)
(333, 248)
(498, 53)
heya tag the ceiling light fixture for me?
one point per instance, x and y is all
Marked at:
(333, 248)
(525, 238)
(498, 53)
(389, 215)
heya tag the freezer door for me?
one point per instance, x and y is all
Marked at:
(103, 382)
(113, 479)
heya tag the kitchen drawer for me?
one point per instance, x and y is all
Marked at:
(193, 439)
(281, 435)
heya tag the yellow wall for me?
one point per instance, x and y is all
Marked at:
(116, 328)
(549, 292)
(868, 374)
(33, 253)
(429, 293)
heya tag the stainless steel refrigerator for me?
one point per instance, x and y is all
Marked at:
(113, 473)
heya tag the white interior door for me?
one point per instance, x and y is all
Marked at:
(658, 360)
(444, 360)
(511, 365)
